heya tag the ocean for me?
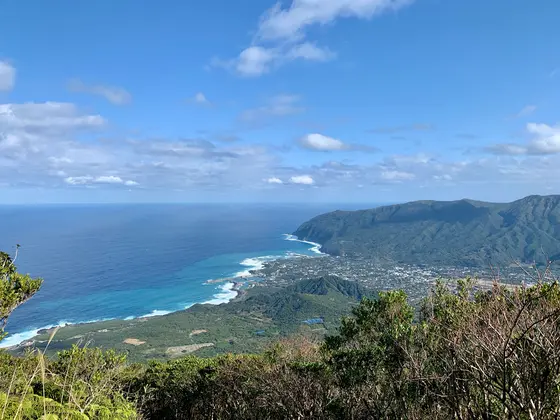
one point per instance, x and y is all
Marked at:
(104, 262)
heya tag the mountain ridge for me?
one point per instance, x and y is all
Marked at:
(460, 232)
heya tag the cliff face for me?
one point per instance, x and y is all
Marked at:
(464, 232)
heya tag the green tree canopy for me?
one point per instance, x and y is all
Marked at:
(15, 288)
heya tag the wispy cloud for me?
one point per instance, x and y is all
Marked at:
(115, 95)
(258, 60)
(397, 176)
(291, 23)
(526, 111)
(51, 116)
(507, 149)
(7, 76)
(277, 106)
(282, 32)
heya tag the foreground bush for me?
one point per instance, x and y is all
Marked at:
(282, 383)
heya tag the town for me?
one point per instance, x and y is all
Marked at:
(415, 280)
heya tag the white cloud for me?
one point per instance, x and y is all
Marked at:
(292, 22)
(281, 34)
(444, 177)
(47, 115)
(274, 180)
(115, 95)
(258, 60)
(111, 179)
(36, 133)
(7, 76)
(309, 51)
(302, 179)
(51, 143)
(277, 106)
(321, 143)
(255, 61)
(545, 141)
(440, 178)
(397, 176)
(78, 180)
(543, 130)
(103, 179)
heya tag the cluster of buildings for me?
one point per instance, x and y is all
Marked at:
(415, 280)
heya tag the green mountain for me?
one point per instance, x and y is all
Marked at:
(463, 232)
(324, 297)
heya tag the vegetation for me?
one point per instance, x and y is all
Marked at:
(247, 325)
(489, 355)
(465, 354)
(15, 289)
(452, 233)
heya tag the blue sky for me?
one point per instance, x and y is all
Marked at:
(299, 101)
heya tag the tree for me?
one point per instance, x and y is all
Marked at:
(370, 357)
(15, 288)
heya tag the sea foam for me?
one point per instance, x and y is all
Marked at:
(227, 294)
(255, 263)
(155, 312)
(18, 338)
(316, 248)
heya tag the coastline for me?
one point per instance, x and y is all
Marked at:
(226, 293)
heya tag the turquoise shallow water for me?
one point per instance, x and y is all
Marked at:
(123, 261)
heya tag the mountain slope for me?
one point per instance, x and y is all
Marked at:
(325, 297)
(437, 232)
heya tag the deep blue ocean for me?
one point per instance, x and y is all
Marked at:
(122, 261)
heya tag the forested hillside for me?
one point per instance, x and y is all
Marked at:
(454, 233)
